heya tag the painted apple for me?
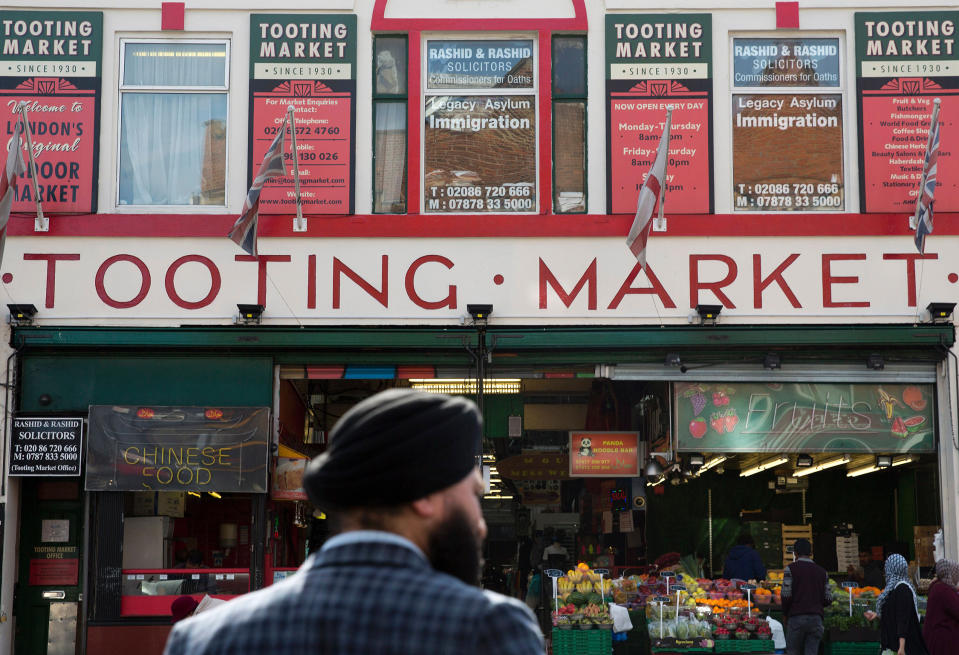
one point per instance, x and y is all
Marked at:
(697, 427)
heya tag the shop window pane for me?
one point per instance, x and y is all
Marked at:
(569, 66)
(390, 64)
(174, 64)
(569, 157)
(172, 149)
(389, 156)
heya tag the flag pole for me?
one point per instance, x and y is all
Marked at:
(299, 223)
(914, 219)
(42, 223)
(659, 223)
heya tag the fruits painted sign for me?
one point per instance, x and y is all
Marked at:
(804, 417)
(603, 454)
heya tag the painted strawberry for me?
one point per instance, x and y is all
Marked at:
(730, 420)
(697, 427)
(718, 422)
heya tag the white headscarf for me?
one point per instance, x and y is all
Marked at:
(897, 573)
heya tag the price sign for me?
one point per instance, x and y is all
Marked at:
(667, 574)
(748, 587)
(661, 599)
(679, 587)
(553, 573)
(601, 571)
(46, 446)
(849, 585)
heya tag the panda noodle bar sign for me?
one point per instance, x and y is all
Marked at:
(603, 454)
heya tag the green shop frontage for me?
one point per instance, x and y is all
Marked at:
(195, 439)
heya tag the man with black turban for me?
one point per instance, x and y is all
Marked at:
(401, 577)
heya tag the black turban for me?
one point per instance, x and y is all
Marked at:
(395, 447)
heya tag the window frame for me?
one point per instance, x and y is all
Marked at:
(123, 88)
(424, 93)
(842, 90)
(378, 99)
(569, 98)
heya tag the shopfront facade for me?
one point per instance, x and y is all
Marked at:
(451, 158)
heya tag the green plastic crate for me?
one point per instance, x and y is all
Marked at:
(744, 646)
(852, 648)
(582, 642)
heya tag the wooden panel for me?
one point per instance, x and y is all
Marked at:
(139, 639)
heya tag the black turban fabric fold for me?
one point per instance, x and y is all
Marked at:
(395, 447)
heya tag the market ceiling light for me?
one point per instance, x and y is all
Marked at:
(653, 469)
(772, 361)
(872, 468)
(454, 387)
(762, 466)
(697, 459)
(803, 460)
(883, 461)
(249, 314)
(940, 312)
(708, 313)
(22, 314)
(822, 466)
(875, 362)
(715, 461)
(658, 482)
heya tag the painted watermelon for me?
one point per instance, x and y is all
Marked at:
(899, 428)
(915, 423)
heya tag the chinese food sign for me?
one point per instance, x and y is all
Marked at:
(903, 62)
(51, 61)
(655, 61)
(802, 417)
(307, 61)
(177, 448)
(603, 454)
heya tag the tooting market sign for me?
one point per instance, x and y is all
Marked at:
(177, 448)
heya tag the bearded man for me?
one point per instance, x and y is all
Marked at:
(402, 574)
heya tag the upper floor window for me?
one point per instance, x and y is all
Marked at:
(173, 123)
(479, 133)
(389, 119)
(787, 120)
(569, 124)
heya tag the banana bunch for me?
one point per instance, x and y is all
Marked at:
(575, 575)
(565, 585)
(585, 587)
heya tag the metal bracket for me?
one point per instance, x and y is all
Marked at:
(659, 224)
(299, 223)
(41, 224)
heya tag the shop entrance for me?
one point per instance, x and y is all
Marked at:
(47, 605)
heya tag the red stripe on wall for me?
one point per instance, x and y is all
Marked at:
(506, 226)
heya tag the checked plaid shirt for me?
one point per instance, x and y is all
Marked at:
(363, 596)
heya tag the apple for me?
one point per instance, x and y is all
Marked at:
(697, 427)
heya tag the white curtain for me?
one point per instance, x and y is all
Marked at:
(167, 138)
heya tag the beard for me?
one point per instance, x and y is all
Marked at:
(456, 549)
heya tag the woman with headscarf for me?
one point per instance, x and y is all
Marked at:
(898, 611)
(941, 627)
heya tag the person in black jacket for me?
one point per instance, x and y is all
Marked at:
(743, 562)
(898, 611)
(805, 593)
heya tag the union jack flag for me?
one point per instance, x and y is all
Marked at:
(13, 167)
(648, 197)
(928, 190)
(244, 230)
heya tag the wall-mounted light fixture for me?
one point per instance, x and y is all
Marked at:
(249, 314)
(940, 312)
(803, 460)
(708, 314)
(713, 461)
(772, 361)
(822, 466)
(696, 459)
(875, 362)
(883, 461)
(653, 469)
(22, 314)
(479, 313)
(762, 466)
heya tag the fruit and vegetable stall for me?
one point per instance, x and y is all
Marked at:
(672, 611)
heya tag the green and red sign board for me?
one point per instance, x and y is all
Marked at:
(804, 417)
(52, 61)
(307, 61)
(655, 61)
(904, 61)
